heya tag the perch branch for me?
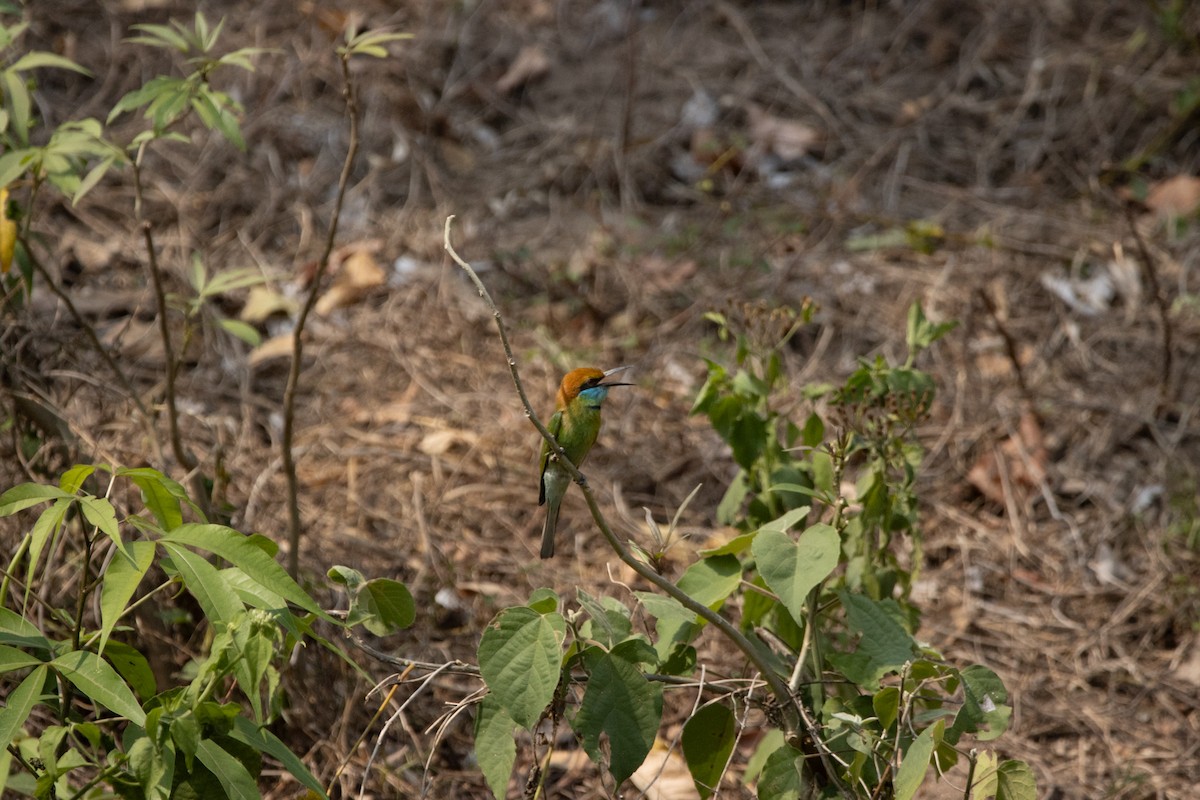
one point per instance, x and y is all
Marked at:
(793, 713)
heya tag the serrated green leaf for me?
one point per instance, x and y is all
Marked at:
(520, 658)
(782, 776)
(495, 747)
(984, 711)
(912, 770)
(620, 704)
(708, 739)
(1015, 781)
(883, 647)
(94, 677)
(793, 569)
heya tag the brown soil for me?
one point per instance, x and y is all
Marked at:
(665, 159)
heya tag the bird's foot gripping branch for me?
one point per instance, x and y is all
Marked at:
(814, 591)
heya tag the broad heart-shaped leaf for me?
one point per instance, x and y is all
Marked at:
(793, 569)
(710, 580)
(708, 739)
(239, 550)
(205, 583)
(1015, 781)
(916, 761)
(391, 607)
(520, 657)
(782, 777)
(93, 676)
(884, 647)
(621, 704)
(120, 582)
(984, 711)
(495, 747)
(264, 741)
(19, 704)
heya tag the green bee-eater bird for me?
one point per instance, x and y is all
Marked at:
(575, 425)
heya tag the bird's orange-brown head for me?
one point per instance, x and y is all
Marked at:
(586, 381)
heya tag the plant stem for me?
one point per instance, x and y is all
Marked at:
(794, 718)
(293, 381)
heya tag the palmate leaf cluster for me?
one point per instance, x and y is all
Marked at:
(205, 737)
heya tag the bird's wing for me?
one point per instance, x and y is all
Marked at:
(555, 428)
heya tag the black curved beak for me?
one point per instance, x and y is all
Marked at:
(614, 371)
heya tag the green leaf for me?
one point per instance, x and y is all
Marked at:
(609, 620)
(120, 582)
(1015, 781)
(15, 163)
(235, 780)
(916, 761)
(15, 629)
(235, 327)
(674, 624)
(520, 657)
(73, 479)
(264, 741)
(18, 104)
(36, 59)
(214, 594)
(884, 646)
(27, 495)
(160, 36)
(984, 711)
(239, 550)
(495, 747)
(782, 776)
(49, 522)
(792, 569)
(162, 495)
(19, 704)
(391, 606)
(99, 512)
(94, 677)
(708, 739)
(133, 667)
(711, 580)
(621, 704)
(13, 658)
(771, 741)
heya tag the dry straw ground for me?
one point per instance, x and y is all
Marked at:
(617, 170)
